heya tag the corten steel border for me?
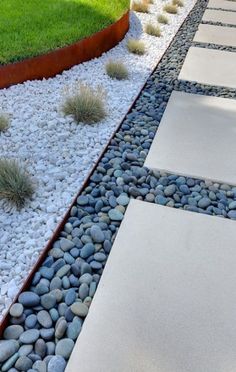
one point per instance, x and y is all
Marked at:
(60, 227)
(53, 63)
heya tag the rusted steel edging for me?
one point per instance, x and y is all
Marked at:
(53, 63)
(55, 236)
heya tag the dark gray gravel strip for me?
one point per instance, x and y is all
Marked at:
(49, 316)
(217, 24)
(214, 46)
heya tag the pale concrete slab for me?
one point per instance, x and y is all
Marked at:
(166, 301)
(216, 35)
(210, 66)
(219, 16)
(196, 137)
(222, 4)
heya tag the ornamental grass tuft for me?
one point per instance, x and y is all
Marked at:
(140, 6)
(179, 3)
(136, 46)
(163, 19)
(4, 122)
(170, 8)
(153, 30)
(117, 70)
(15, 184)
(86, 105)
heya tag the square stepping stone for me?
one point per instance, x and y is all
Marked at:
(210, 66)
(216, 35)
(222, 4)
(166, 299)
(219, 16)
(196, 137)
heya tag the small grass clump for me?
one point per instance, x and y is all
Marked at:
(171, 9)
(179, 3)
(117, 70)
(140, 6)
(15, 184)
(153, 30)
(163, 19)
(136, 46)
(86, 105)
(4, 122)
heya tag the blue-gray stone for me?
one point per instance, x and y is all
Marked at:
(40, 347)
(63, 271)
(115, 215)
(123, 199)
(161, 200)
(54, 314)
(29, 299)
(57, 364)
(86, 278)
(29, 336)
(31, 321)
(170, 190)
(82, 200)
(25, 350)
(13, 332)
(7, 349)
(232, 214)
(107, 246)
(16, 310)
(83, 291)
(60, 328)
(73, 330)
(44, 319)
(48, 301)
(7, 366)
(204, 202)
(66, 244)
(92, 289)
(232, 205)
(50, 348)
(70, 297)
(47, 272)
(95, 265)
(64, 348)
(47, 333)
(99, 256)
(23, 363)
(56, 283)
(87, 250)
(97, 234)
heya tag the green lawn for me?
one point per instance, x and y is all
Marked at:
(32, 27)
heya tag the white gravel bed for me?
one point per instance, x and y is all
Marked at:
(59, 153)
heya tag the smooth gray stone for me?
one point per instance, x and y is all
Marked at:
(24, 363)
(80, 309)
(13, 332)
(7, 349)
(48, 301)
(29, 336)
(83, 291)
(16, 310)
(64, 347)
(25, 350)
(87, 250)
(40, 366)
(29, 299)
(115, 215)
(57, 364)
(60, 328)
(10, 362)
(97, 234)
(40, 347)
(66, 244)
(44, 319)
